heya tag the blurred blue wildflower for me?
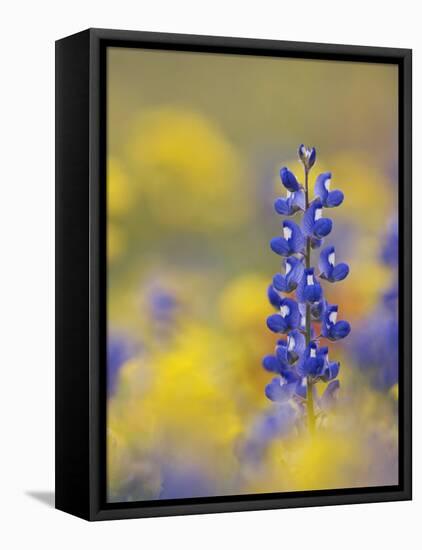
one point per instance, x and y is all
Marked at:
(278, 421)
(119, 350)
(390, 248)
(162, 304)
(375, 344)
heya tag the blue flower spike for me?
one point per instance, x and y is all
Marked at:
(328, 268)
(299, 361)
(331, 328)
(292, 241)
(328, 198)
(293, 275)
(314, 225)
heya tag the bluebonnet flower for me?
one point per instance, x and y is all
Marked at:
(328, 198)
(295, 345)
(314, 225)
(311, 363)
(307, 156)
(291, 204)
(331, 328)
(288, 179)
(295, 199)
(329, 369)
(287, 319)
(328, 268)
(309, 290)
(298, 361)
(291, 242)
(283, 387)
(279, 362)
(293, 274)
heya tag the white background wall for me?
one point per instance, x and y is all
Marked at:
(27, 35)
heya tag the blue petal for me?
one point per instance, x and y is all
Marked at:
(315, 243)
(328, 398)
(293, 317)
(298, 200)
(277, 392)
(340, 272)
(312, 366)
(334, 198)
(320, 189)
(279, 282)
(312, 157)
(299, 343)
(331, 371)
(290, 377)
(273, 297)
(296, 241)
(296, 270)
(280, 246)
(339, 330)
(324, 265)
(289, 180)
(317, 310)
(283, 206)
(301, 389)
(277, 323)
(312, 293)
(271, 363)
(322, 227)
(323, 352)
(281, 352)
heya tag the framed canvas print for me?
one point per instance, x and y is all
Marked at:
(233, 327)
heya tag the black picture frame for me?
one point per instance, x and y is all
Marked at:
(81, 273)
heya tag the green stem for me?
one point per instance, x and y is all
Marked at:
(309, 393)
